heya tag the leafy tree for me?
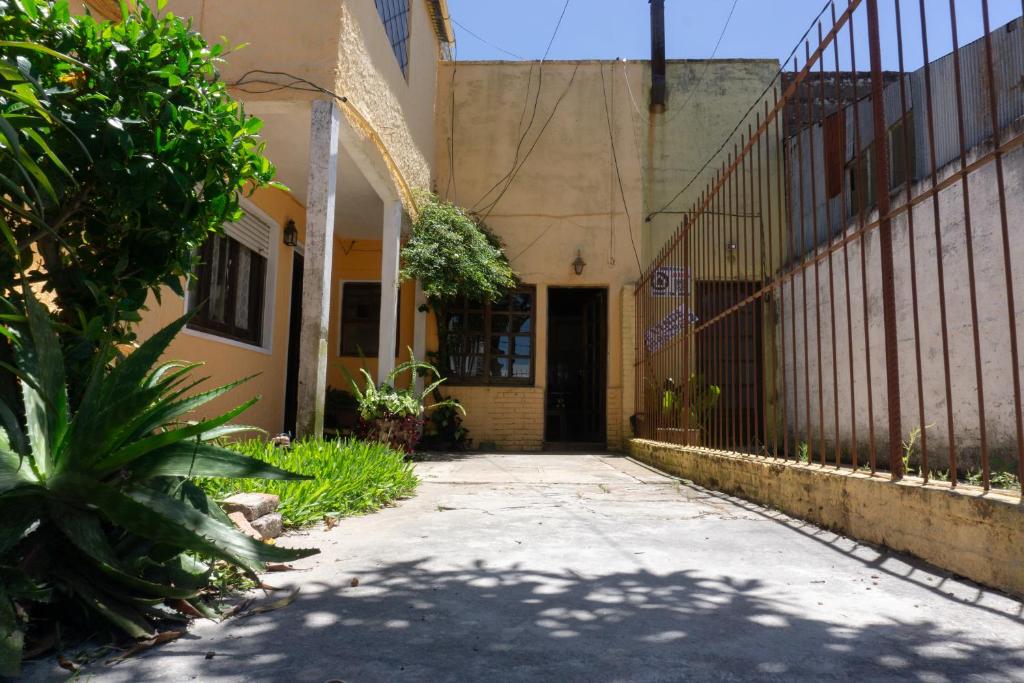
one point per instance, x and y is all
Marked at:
(121, 150)
(453, 256)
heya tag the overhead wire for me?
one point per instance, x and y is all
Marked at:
(509, 177)
(707, 64)
(487, 42)
(746, 115)
(618, 174)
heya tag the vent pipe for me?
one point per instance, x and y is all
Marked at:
(658, 83)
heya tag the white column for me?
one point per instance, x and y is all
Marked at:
(316, 278)
(419, 330)
(390, 246)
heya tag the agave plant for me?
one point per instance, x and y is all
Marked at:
(99, 511)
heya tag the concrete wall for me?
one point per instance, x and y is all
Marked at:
(992, 320)
(974, 535)
(565, 199)
(705, 102)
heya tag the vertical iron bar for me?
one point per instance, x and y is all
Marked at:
(969, 243)
(939, 260)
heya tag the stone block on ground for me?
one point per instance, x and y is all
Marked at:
(252, 505)
(269, 526)
(244, 526)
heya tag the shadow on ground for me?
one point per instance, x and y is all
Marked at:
(413, 621)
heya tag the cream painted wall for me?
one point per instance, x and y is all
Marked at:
(565, 199)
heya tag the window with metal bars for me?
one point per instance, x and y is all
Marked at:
(394, 14)
(490, 343)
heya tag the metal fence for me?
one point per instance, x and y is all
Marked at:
(842, 291)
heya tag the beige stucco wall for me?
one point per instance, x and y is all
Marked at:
(992, 318)
(565, 199)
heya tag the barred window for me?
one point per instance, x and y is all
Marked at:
(395, 16)
(490, 343)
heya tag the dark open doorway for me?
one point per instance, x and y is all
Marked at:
(577, 367)
(291, 387)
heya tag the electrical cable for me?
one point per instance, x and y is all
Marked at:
(753, 105)
(707, 64)
(487, 42)
(510, 175)
(618, 175)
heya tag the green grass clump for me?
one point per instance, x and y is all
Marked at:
(350, 477)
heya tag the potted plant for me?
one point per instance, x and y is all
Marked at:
(396, 416)
(700, 398)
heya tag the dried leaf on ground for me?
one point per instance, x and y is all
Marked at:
(275, 605)
(143, 645)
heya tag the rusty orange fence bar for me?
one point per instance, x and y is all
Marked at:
(842, 289)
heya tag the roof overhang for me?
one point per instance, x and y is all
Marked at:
(442, 20)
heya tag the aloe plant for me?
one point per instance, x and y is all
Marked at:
(98, 505)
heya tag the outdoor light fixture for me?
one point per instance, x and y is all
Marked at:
(579, 263)
(291, 234)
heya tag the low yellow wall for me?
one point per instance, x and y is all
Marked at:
(973, 534)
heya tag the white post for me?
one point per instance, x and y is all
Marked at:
(419, 331)
(316, 278)
(390, 246)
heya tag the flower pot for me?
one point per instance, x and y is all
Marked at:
(401, 433)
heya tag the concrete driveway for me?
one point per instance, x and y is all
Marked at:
(593, 568)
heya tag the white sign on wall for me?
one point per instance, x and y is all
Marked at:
(670, 281)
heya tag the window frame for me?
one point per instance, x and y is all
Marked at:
(488, 333)
(405, 71)
(341, 320)
(266, 345)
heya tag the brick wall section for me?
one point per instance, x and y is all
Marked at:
(510, 417)
(614, 413)
(628, 401)
(976, 535)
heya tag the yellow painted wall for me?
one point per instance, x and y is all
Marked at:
(565, 199)
(227, 362)
(359, 260)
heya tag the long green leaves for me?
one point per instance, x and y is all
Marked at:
(97, 501)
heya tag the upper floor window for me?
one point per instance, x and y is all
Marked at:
(229, 290)
(395, 16)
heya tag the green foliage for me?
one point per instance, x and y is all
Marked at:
(703, 398)
(348, 477)
(385, 401)
(116, 164)
(98, 510)
(452, 256)
(445, 429)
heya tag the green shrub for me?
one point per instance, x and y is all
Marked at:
(127, 157)
(99, 515)
(349, 477)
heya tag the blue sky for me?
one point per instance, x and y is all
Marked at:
(606, 29)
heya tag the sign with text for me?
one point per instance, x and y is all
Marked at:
(670, 281)
(671, 326)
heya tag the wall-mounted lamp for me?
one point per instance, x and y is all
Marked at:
(291, 234)
(579, 264)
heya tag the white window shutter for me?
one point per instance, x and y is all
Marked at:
(251, 232)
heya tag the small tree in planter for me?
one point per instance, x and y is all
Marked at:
(702, 397)
(396, 416)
